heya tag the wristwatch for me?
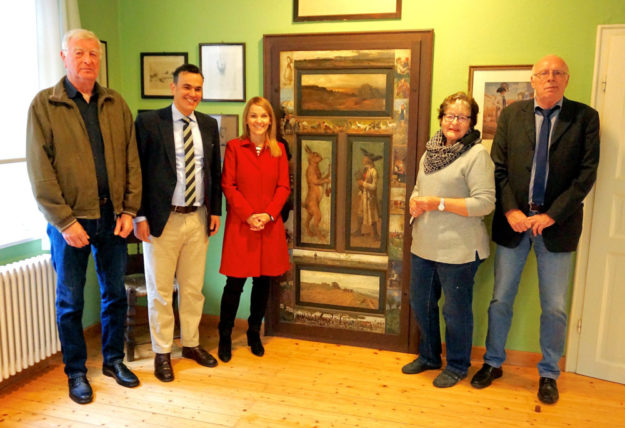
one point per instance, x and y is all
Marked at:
(441, 206)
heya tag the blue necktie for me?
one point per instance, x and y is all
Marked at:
(542, 151)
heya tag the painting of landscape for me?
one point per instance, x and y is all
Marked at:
(358, 290)
(345, 93)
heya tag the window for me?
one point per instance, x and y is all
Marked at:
(20, 220)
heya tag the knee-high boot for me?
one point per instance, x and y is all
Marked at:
(258, 306)
(229, 306)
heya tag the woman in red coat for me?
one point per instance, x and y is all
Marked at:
(255, 181)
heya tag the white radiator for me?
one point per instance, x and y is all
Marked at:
(28, 331)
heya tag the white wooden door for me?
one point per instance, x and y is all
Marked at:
(602, 336)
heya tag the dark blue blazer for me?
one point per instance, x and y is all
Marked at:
(155, 139)
(573, 161)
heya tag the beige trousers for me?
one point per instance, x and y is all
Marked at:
(179, 254)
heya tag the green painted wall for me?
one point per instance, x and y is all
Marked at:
(465, 33)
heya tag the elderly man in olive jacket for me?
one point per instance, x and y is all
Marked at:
(85, 175)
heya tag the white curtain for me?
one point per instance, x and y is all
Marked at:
(54, 19)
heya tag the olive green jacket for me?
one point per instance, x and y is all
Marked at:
(60, 161)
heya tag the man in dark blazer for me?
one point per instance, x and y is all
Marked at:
(540, 197)
(181, 205)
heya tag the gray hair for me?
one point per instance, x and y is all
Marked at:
(80, 34)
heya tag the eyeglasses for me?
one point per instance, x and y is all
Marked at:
(461, 119)
(557, 74)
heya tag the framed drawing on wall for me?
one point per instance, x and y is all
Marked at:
(223, 67)
(368, 184)
(228, 130)
(316, 202)
(157, 70)
(103, 74)
(494, 87)
(343, 10)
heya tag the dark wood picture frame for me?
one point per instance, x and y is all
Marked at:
(339, 287)
(414, 125)
(223, 67)
(157, 70)
(310, 153)
(323, 92)
(377, 149)
(357, 13)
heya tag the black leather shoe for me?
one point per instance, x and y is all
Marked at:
(162, 367)
(417, 366)
(121, 373)
(79, 389)
(548, 390)
(224, 352)
(485, 376)
(253, 340)
(447, 379)
(200, 356)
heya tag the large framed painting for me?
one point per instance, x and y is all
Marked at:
(494, 87)
(316, 166)
(354, 109)
(103, 75)
(330, 92)
(368, 184)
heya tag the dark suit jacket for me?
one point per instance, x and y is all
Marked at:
(155, 139)
(573, 160)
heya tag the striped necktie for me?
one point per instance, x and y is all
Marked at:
(189, 162)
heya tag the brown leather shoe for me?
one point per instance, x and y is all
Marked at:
(200, 356)
(162, 367)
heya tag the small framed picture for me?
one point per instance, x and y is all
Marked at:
(494, 87)
(228, 129)
(103, 74)
(223, 67)
(157, 70)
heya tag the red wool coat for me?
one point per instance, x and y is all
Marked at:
(254, 184)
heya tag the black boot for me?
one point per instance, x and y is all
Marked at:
(253, 340)
(224, 351)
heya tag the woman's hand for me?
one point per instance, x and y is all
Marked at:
(415, 211)
(258, 221)
(425, 203)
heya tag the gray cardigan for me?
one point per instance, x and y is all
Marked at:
(450, 238)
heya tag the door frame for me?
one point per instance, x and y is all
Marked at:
(583, 250)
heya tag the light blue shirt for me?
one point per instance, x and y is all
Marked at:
(538, 118)
(178, 196)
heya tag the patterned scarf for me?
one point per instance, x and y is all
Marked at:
(438, 155)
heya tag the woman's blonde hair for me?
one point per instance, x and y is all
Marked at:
(271, 131)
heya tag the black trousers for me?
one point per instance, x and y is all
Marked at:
(230, 302)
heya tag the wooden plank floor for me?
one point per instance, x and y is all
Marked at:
(304, 384)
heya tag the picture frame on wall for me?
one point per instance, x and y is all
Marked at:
(103, 74)
(340, 288)
(345, 10)
(345, 92)
(228, 129)
(316, 196)
(157, 69)
(494, 87)
(223, 67)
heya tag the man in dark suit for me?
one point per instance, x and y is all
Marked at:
(546, 153)
(181, 205)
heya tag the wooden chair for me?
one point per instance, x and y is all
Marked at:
(135, 288)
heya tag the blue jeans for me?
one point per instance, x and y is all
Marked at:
(456, 281)
(70, 263)
(554, 271)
